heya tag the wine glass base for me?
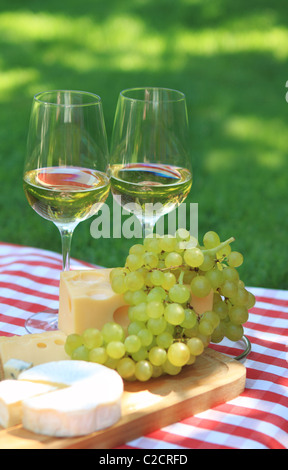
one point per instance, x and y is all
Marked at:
(42, 321)
(243, 345)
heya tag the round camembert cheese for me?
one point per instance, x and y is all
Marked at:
(87, 399)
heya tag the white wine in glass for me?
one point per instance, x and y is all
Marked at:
(150, 166)
(65, 179)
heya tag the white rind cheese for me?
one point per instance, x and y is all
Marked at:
(88, 399)
(12, 393)
(72, 411)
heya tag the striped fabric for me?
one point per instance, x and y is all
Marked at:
(257, 419)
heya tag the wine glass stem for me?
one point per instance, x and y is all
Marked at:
(148, 226)
(66, 237)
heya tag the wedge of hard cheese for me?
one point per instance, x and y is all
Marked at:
(12, 393)
(88, 398)
(86, 300)
(32, 349)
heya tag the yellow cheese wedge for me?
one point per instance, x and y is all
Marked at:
(12, 393)
(86, 300)
(90, 400)
(36, 348)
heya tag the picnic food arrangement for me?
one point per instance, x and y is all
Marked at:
(129, 349)
(147, 322)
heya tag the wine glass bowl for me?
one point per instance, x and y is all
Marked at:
(150, 166)
(65, 178)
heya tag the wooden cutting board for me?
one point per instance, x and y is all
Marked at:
(213, 379)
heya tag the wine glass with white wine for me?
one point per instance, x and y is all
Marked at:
(65, 178)
(150, 167)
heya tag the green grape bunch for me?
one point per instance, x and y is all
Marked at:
(159, 281)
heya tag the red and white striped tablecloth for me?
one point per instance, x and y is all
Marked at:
(257, 419)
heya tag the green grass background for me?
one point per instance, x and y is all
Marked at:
(229, 58)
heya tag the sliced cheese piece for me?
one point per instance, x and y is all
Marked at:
(12, 393)
(36, 348)
(86, 300)
(202, 304)
(91, 400)
(13, 367)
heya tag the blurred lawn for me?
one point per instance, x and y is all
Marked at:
(230, 58)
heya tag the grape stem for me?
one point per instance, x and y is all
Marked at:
(213, 251)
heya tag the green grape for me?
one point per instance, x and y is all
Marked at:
(200, 286)
(191, 360)
(251, 300)
(73, 341)
(179, 293)
(241, 297)
(171, 369)
(137, 249)
(157, 371)
(126, 367)
(195, 346)
(139, 312)
(205, 339)
(206, 328)
(235, 259)
(157, 356)
(178, 354)
(80, 354)
(168, 243)
(145, 336)
(223, 252)
(128, 297)
(156, 294)
(182, 234)
(118, 284)
(193, 257)
(143, 370)
(92, 338)
(229, 289)
(211, 317)
(238, 314)
(112, 331)
(190, 319)
(98, 355)
(115, 349)
(134, 261)
(211, 239)
(157, 277)
(152, 244)
(230, 274)
(140, 355)
(134, 327)
(151, 260)
(215, 277)
(221, 309)
(155, 309)
(117, 272)
(234, 332)
(208, 263)
(157, 325)
(132, 343)
(111, 363)
(189, 275)
(138, 297)
(164, 340)
(168, 281)
(173, 259)
(174, 314)
(218, 334)
(134, 281)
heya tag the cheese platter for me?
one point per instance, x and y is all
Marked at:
(214, 378)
